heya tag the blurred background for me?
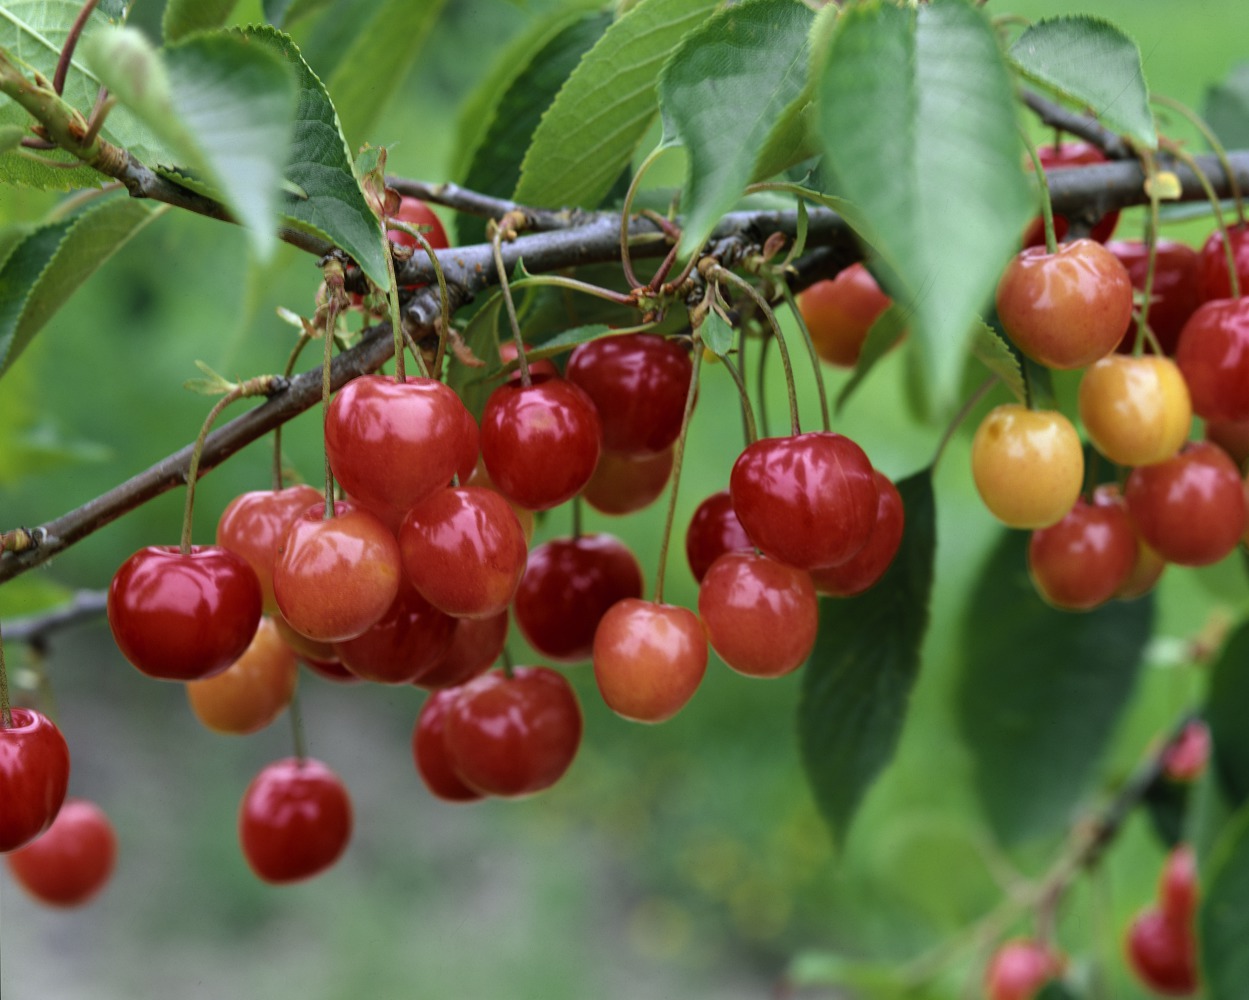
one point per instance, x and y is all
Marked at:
(680, 861)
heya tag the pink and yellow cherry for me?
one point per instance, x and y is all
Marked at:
(622, 484)
(255, 524)
(394, 444)
(714, 530)
(1062, 157)
(184, 617)
(429, 750)
(464, 551)
(760, 615)
(1084, 559)
(34, 774)
(416, 213)
(252, 691)
(1191, 508)
(540, 442)
(335, 577)
(649, 659)
(1213, 281)
(1213, 354)
(294, 821)
(72, 860)
(1163, 953)
(1136, 410)
(409, 639)
(1068, 308)
(569, 584)
(840, 311)
(638, 382)
(863, 569)
(476, 643)
(808, 501)
(1173, 294)
(1018, 970)
(1185, 760)
(1148, 567)
(513, 736)
(1028, 465)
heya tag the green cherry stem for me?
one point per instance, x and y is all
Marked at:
(576, 516)
(1220, 151)
(678, 456)
(761, 378)
(444, 299)
(748, 413)
(278, 471)
(1143, 332)
(396, 323)
(816, 367)
(6, 713)
(964, 411)
(1184, 157)
(298, 739)
(497, 245)
(626, 262)
(1047, 209)
(574, 285)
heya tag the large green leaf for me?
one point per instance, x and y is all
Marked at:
(1040, 692)
(223, 105)
(331, 204)
(185, 17)
(375, 64)
(1227, 108)
(1223, 920)
(857, 684)
(884, 335)
(722, 93)
(285, 12)
(590, 132)
(1225, 714)
(934, 170)
(33, 33)
(46, 267)
(1093, 63)
(493, 165)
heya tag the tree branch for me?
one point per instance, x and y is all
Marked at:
(35, 629)
(1081, 126)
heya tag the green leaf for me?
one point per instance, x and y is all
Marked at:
(222, 104)
(377, 61)
(49, 264)
(1227, 108)
(994, 353)
(185, 17)
(1091, 63)
(492, 166)
(934, 171)
(565, 340)
(1225, 713)
(857, 684)
(722, 93)
(867, 980)
(1040, 692)
(320, 165)
(1223, 917)
(1056, 990)
(10, 137)
(1166, 802)
(474, 384)
(885, 334)
(589, 134)
(286, 12)
(717, 333)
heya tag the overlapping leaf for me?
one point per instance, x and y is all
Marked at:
(1225, 713)
(1227, 108)
(1223, 920)
(185, 17)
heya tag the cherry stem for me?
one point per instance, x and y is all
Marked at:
(509, 667)
(444, 298)
(332, 269)
(1184, 157)
(575, 285)
(297, 727)
(6, 714)
(748, 414)
(1219, 150)
(761, 379)
(396, 322)
(71, 43)
(506, 289)
(678, 455)
(816, 367)
(278, 473)
(1047, 209)
(626, 262)
(576, 516)
(964, 411)
(1143, 332)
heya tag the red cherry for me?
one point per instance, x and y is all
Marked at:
(252, 691)
(541, 443)
(622, 484)
(1173, 294)
(1190, 509)
(1061, 157)
(395, 444)
(1019, 969)
(295, 820)
(416, 213)
(1177, 886)
(1149, 566)
(1213, 355)
(509, 358)
(809, 500)
(649, 659)
(72, 860)
(761, 616)
(1232, 436)
(1213, 281)
(464, 550)
(714, 530)
(34, 773)
(481, 477)
(184, 617)
(1083, 560)
(1186, 758)
(475, 644)
(567, 588)
(255, 524)
(840, 311)
(512, 736)
(865, 567)
(638, 383)
(409, 640)
(1162, 952)
(336, 577)
(319, 657)
(429, 750)
(1068, 308)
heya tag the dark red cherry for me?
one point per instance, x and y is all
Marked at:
(409, 640)
(416, 213)
(34, 773)
(1213, 356)
(1213, 281)
(1062, 157)
(184, 617)
(1083, 561)
(1173, 295)
(865, 567)
(1177, 885)
(714, 530)
(72, 860)
(255, 524)
(568, 586)
(429, 750)
(475, 645)
(622, 483)
(1163, 954)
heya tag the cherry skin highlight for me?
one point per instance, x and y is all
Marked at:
(1085, 559)
(714, 530)
(252, 691)
(863, 569)
(429, 750)
(1173, 295)
(409, 639)
(840, 311)
(1028, 465)
(649, 659)
(1213, 354)
(1136, 410)
(72, 860)
(184, 617)
(295, 820)
(34, 774)
(1019, 969)
(475, 645)
(255, 524)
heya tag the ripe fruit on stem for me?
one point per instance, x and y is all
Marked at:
(34, 773)
(429, 750)
(840, 311)
(1163, 953)
(649, 659)
(714, 530)
(863, 569)
(415, 212)
(1213, 281)
(1177, 885)
(1148, 567)
(475, 644)
(1019, 969)
(1083, 560)
(1136, 410)
(1061, 157)
(1213, 354)
(408, 640)
(1173, 294)
(72, 860)
(1027, 464)
(622, 484)
(254, 526)
(252, 691)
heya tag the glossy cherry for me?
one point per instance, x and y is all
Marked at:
(480, 477)
(1136, 410)
(294, 821)
(649, 659)
(408, 640)
(184, 617)
(1018, 970)
(1028, 465)
(622, 483)
(638, 382)
(1213, 354)
(808, 501)
(1068, 308)
(840, 311)
(476, 643)
(464, 550)
(1084, 559)
(1213, 281)
(1163, 954)
(541, 442)
(429, 750)
(1232, 436)
(34, 773)
(1061, 157)
(416, 213)
(1148, 568)
(863, 569)
(1173, 294)
(72, 860)
(335, 577)
(513, 736)
(254, 525)
(509, 357)
(714, 530)
(320, 657)
(252, 691)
